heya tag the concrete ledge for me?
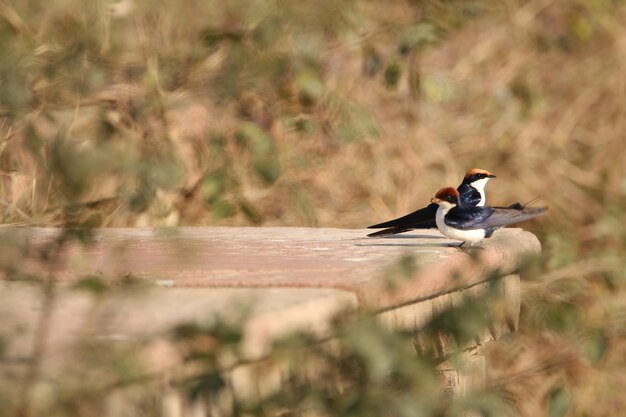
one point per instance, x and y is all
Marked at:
(453, 270)
(360, 270)
(414, 316)
(289, 279)
(294, 257)
(264, 315)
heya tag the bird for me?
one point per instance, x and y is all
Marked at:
(473, 224)
(471, 191)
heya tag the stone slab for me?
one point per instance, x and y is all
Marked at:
(263, 314)
(503, 295)
(296, 258)
(285, 280)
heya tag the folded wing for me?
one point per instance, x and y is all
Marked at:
(501, 217)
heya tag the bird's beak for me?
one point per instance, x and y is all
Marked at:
(435, 200)
(491, 176)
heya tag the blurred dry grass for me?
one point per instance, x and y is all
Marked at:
(339, 114)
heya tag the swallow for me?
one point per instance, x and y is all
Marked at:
(472, 224)
(471, 191)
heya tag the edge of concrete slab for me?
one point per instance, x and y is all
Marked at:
(264, 315)
(343, 259)
(502, 255)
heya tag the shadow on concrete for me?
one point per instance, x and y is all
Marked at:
(408, 236)
(402, 236)
(411, 245)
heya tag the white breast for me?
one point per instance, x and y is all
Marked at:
(479, 185)
(472, 236)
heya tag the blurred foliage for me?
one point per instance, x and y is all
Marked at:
(367, 369)
(337, 113)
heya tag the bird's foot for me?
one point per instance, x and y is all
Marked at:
(459, 247)
(466, 247)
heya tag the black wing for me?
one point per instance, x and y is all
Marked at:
(423, 218)
(489, 217)
(467, 218)
(469, 195)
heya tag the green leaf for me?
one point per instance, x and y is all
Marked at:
(250, 212)
(595, 346)
(75, 230)
(306, 208)
(264, 159)
(92, 284)
(222, 209)
(186, 331)
(438, 89)
(558, 402)
(209, 383)
(310, 88)
(212, 186)
(418, 36)
(563, 317)
(305, 125)
(267, 168)
(143, 197)
(464, 321)
(4, 346)
(211, 36)
(354, 123)
(165, 172)
(393, 72)
(256, 139)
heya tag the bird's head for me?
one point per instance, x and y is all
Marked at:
(477, 174)
(446, 197)
(478, 178)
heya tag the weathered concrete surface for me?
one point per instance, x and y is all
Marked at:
(263, 314)
(293, 279)
(287, 279)
(503, 293)
(296, 257)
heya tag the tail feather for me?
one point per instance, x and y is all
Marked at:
(411, 220)
(504, 217)
(534, 200)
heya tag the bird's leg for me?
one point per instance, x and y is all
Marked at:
(462, 247)
(459, 247)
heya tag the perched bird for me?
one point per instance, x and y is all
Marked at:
(471, 191)
(474, 223)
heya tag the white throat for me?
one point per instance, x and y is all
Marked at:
(479, 185)
(442, 210)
